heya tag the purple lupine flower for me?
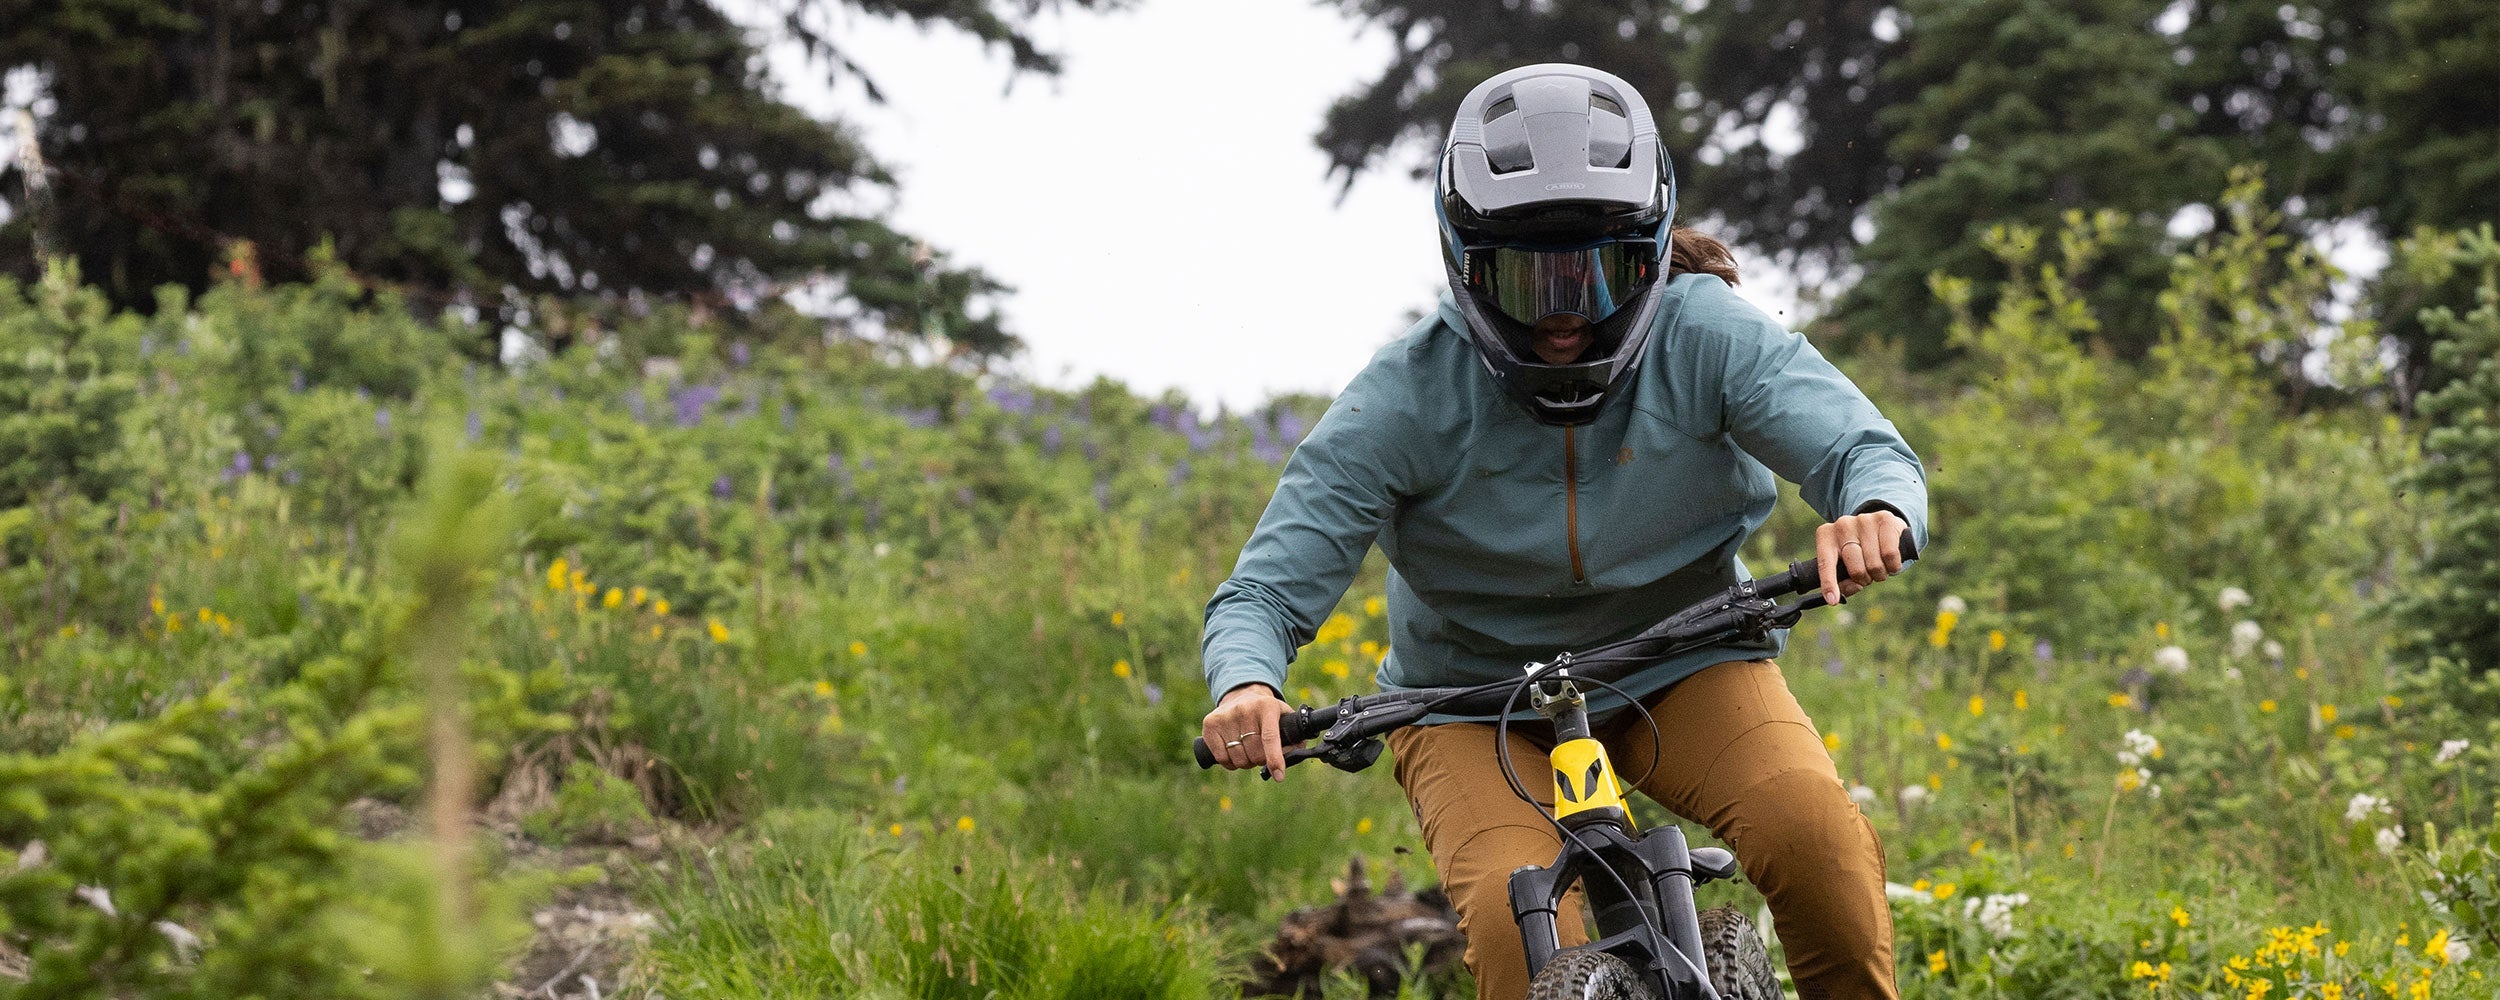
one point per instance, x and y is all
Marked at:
(2040, 651)
(738, 354)
(833, 463)
(963, 496)
(1102, 493)
(291, 477)
(182, 347)
(691, 401)
(1834, 667)
(901, 782)
(382, 419)
(721, 487)
(755, 405)
(867, 462)
(1180, 472)
(240, 467)
(295, 381)
(1051, 440)
(1085, 409)
(1187, 423)
(999, 394)
(1289, 426)
(269, 463)
(477, 426)
(872, 513)
(1154, 693)
(1160, 416)
(638, 406)
(1093, 452)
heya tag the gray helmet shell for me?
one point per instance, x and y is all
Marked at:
(1552, 154)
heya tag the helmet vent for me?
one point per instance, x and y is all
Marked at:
(1605, 103)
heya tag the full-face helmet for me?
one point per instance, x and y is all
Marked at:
(1556, 198)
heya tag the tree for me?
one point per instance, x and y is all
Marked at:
(2449, 610)
(477, 152)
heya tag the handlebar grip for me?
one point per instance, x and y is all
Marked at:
(1292, 727)
(1806, 575)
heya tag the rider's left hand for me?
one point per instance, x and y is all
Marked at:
(1856, 551)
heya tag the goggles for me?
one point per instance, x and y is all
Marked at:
(1590, 281)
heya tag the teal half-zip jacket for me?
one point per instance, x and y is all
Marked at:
(1509, 540)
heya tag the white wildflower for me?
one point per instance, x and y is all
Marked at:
(2362, 805)
(2233, 599)
(2390, 838)
(2244, 637)
(2141, 746)
(1844, 617)
(186, 944)
(2449, 749)
(2231, 673)
(99, 897)
(2458, 950)
(2171, 659)
(1953, 603)
(1861, 794)
(34, 854)
(1913, 795)
(1895, 890)
(2273, 650)
(1996, 913)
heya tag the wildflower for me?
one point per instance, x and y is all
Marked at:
(2130, 780)
(557, 573)
(2392, 701)
(1935, 782)
(1831, 742)
(99, 897)
(858, 648)
(613, 598)
(1895, 890)
(1944, 742)
(1935, 963)
(2345, 731)
(1370, 650)
(2362, 805)
(2456, 951)
(963, 823)
(2179, 915)
(186, 944)
(2273, 650)
(1875, 615)
(2171, 659)
(1119, 619)
(1224, 804)
(637, 596)
(1363, 826)
(1951, 605)
(896, 829)
(2119, 699)
(2267, 706)
(1375, 607)
(1335, 629)
(660, 607)
(1154, 693)
(1996, 640)
(2161, 631)
(2233, 599)
(1336, 669)
(2022, 700)
(2042, 651)
(1995, 913)
(2326, 713)
(1943, 635)
(1120, 669)
(2390, 838)
(2244, 637)
(2437, 947)
(1861, 795)
(2331, 991)
(2449, 749)
(1978, 706)
(1944, 890)
(2140, 747)
(719, 632)
(1978, 847)
(1913, 794)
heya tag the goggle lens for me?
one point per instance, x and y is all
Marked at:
(1592, 282)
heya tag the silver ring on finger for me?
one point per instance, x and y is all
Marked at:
(1851, 542)
(1229, 744)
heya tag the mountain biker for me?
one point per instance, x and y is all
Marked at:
(1573, 446)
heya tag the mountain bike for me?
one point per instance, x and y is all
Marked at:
(1650, 944)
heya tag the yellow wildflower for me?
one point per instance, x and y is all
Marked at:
(1336, 629)
(2345, 731)
(963, 823)
(2267, 706)
(2022, 700)
(1874, 615)
(638, 596)
(720, 632)
(2421, 990)
(1945, 620)
(1935, 782)
(1978, 847)
(2437, 947)
(1370, 650)
(1944, 891)
(2393, 701)
(1920, 885)
(1374, 606)
(2325, 620)
(2129, 781)
(858, 648)
(2179, 915)
(1944, 742)
(1119, 620)
(1363, 826)
(1936, 963)
(1120, 669)
(655, 633)
(2119, 699)
(225, 625)
(2326, 713)
(1996, 640)
(824, 689)
(1978, 706)
(660, 607)
(896, 829)
(207, 616)
(173, 623)
(1831, 742)
(2331, 991)
(612, 598)
(1336, 669)
(156, 604)
(1224, 804)
(558, 572)
(2161, 630)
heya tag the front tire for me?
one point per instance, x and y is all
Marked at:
(1740, 967)
(1587, 975)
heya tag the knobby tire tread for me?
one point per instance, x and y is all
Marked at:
(1740, 967)
(1587, 975)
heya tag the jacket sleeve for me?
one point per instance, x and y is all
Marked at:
(1787, 406)
(1342, 483)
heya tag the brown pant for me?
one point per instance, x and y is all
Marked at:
(1740, 758)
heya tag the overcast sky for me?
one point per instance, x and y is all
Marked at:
(1159, 207)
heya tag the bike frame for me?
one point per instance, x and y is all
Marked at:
(1639, 886)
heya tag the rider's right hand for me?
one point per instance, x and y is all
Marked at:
(1246, 720)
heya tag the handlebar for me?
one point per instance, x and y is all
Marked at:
(1346, 729)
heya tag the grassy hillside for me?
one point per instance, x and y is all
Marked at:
(876, 680)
